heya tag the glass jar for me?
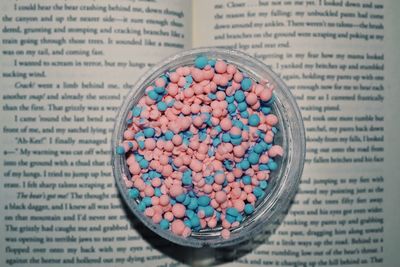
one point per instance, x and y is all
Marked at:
(283, 182)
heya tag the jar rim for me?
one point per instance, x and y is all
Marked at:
(280, 198)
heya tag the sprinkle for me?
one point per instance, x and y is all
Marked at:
(239, 96)
(120, 150)
(200, 62)
(152, 94)
(133, 193)
(162, 106)
(148, 132)
(254, 120)
(248, 209)
(246, 84)
(164, 224)
(203, 200)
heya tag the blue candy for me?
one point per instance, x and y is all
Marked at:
(239, 96)
(263, 167)
(244, 114)
(143, 164)
(226, 137)
(272, 165)
(253, 158)
(242, 106)
(236, 141)
(258, 149)
(162, 106)
(258, 192)
(152, 94)
(136, 111)
(187, 223)
(164, 77)
(193, 203)
(254, 120)
(148, 132)
(142, 206)
(238, 124)
(209, 179)
(230, 99)
(218, 215)
(120, 150)
(212, 96)
(216, 142)
(168, 135)
(246, 84)
(263, 184)
(181, 198)
(232, 211)
(202, 136)
(231, 108)
(264, 145)
(195, 221)
(265, 110)
(147, 201)
(189, 79)
(139, 134)
(212, 62)
(159, 90)
(218, 128)
(133, 193)
(141, 144)
(248, 209)
(200, 62)
(186, 180)
(157, 192)
(171, 103)
(272, 100)
(244, 164)
(138, 157)
(164, 224)
(228, 165)
(203, 201)
(208, 211)
(230, 218)
(189, 213)
(246, 179)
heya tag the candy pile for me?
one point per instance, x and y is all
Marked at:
(199, 146)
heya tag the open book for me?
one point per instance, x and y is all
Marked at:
(66, 66)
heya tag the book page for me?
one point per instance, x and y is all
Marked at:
(338, 58)
(65, 69)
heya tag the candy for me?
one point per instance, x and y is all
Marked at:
(254, 120)
(200, 147)
(201, 62)
(246, 84)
